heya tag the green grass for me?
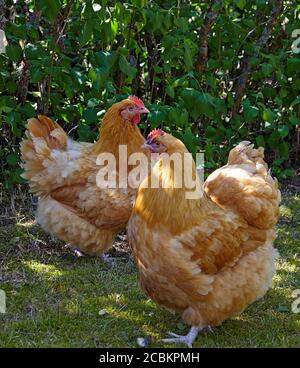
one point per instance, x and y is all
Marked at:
(54, 297)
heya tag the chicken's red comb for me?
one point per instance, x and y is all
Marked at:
(136, 100)
(155, 133)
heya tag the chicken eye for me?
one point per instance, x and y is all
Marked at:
(130, 108)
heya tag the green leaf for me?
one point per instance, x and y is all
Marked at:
(35, 52)
(293, 65)
(12, 159)
(17, 30)
(254, 61)
(210, 132)
(274, 139)
(14, 52)
(260, 141)
(241, 3)
(188, 61)
(139, 3)
(110, 30)
(126, 68)
(158, 69)
(284, 150)
(11, 86)
(269, 116)
(86, 32)
(266, 69)
(198, 103)
(50, 8)
(269, 92)
(296, 101)
(283, 130)
(27, 110)
(93, 102)
(156, 117)
(7, 105)
(287, 173)
(36, 74)
(98, 77)
(90, 115)
(13, 117)
(15, 176)
(190, 141)
(86, 134)
(294, 120)
(156, 21)
(104, 59)
(220, 105)
(176, 116)
(250, 112)
(170, 91)
(182, 24)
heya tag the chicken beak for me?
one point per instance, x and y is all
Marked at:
(146, 145)
(144, 110)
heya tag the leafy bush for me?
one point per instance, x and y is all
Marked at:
(213, 73)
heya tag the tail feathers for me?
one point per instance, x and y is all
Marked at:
(245, 153)
(253, 158)
(50, 131)
(245, 185)
(43, 136)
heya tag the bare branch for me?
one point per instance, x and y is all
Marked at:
(58, 33)
(209, 20)
(241, 83)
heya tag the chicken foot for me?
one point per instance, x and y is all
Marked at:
(77, 252)
(187, 339)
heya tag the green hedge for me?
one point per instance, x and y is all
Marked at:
(213, 73)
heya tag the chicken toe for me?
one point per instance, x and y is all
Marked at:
(187, 339)
(77, 252)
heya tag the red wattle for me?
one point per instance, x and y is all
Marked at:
(136, 119)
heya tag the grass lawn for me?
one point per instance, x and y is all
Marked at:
(55, 299)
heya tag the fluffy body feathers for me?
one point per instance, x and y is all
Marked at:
(210, 258)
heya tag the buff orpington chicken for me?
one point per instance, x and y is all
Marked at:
(63, 173)
(210, 256)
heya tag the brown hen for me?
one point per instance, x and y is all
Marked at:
(207, 258)
(63, 173)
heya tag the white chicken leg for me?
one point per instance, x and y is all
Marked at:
(187, 339)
